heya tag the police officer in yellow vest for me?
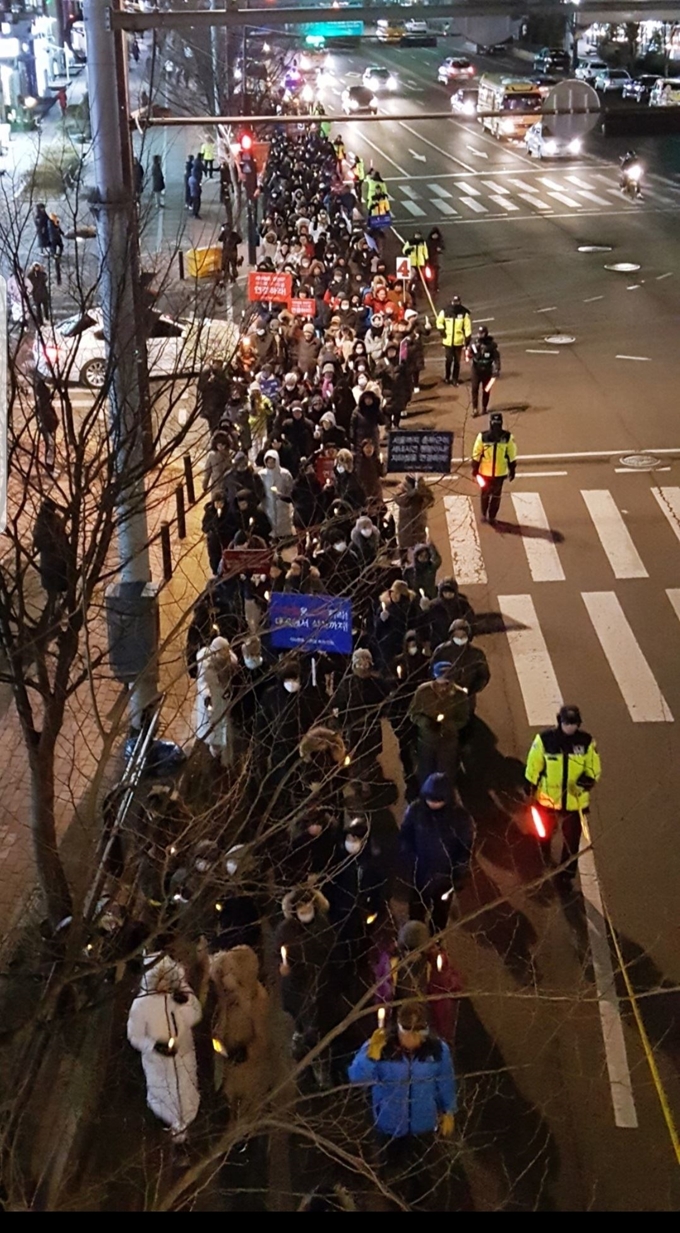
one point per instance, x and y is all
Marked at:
(207, 152)
(374, 184)
(562, 766)
(359, 172)
(455, 327)
(494, 459)
(416, 251)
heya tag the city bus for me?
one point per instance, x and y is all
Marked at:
(502, 96)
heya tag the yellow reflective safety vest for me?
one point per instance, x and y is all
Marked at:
(416, 253)
(563, 769)
(359, 170)
(456, 327)
(372, 187)
(494, 456)
(208, 151)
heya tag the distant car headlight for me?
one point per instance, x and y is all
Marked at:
(353, 104)
(374, 102)
(392, 83)
(550, 146)
(575, 146)
(507, 126)
(634, 172)
(469, 109)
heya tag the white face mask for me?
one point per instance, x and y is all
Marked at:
(231, 868)
(340, 469)
(352, 846)
(251, 663)
(201, 866)
(412, 650)
(306, 918)
(461, 641)
(362, 381)
(291, 686)
(367, 533)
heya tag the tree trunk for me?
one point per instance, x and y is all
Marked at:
(51, 874)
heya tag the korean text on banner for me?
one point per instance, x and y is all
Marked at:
(303, 308)
(263, 285)
(429, 452)
(315, 622)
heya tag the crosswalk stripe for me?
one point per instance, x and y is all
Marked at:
(568, 201)
(409, 192)
(413, 209)
(466, 550)
(474, 205)
(549, 183)
(504, 202)
(668, 500)
(443, 206)
(542, 556)
(613, 534)
(674, 596)
(633, 675)
(497, 188)
(582, 192)
(533, 665)
(439, 191)
(530, 188)
(468, 189)
(579, 183)
(535, 201)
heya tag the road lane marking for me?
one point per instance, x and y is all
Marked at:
(535, 201)
(439, 191)
(466, 550)
(413, 209)
(542, 556)
(582, 192)
(385, 157)
(537, 351)
(668, 500)
(533, 665)
(497, 188)
(530, 188)
(673, 594)
(616, 1056)
(475, 151)
(409, 192)
(660, 277)
(633, 675)
(613, 533)
(568, 201)
(504, 202)
(575, 180)
(474, 205)
(443, 206)
(592, 298)
(426, 140)
(481, 320)
(531, 475)
(420, 158)
(642, 359)
(552, 309)
(474, 192)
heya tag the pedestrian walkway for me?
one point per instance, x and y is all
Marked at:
(539, 192)
(631, 535)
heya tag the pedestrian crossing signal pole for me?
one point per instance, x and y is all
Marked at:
(132, 603)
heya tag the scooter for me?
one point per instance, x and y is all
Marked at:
(630, 182)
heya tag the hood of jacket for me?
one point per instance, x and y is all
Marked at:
(321, 904)
(436, 788)
(321, 740)
(235, 969)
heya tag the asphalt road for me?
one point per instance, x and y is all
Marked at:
(580, 583)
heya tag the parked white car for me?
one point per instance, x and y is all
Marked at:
(75, 349)
(612, 81)
(665, 93)
(540, 143)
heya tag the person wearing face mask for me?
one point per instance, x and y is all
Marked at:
(436, 847)
(358, 705)
(356, 893)
(450, 605)
(302, 578)
(292, 389)
(345, 486)
(299, 432)
(375, 338)
(413, 499)
(285, 714)
(308, 349)
(365, 540)
(304, 940)
(217, 668)
(413, 1095)
(254, 677)
(306, 496)
(395, 611)
(212, 392)
(439, 710)
(494, 459)
(245, 516)
(312, 850)
(330, 433)
(337, 564)
(278, 485)
(368, 418)
(394, 383)
(421, 574)
(562, 767)
(408, 670)
(236, 906)
(363, 383)
(370, 470)
(468, 665)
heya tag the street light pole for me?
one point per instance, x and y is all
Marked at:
(131, 605)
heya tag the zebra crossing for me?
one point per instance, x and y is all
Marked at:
(539, 192)
(607, 615)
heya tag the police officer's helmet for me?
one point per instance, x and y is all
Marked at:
(482, 332)
(496, 419)
(569, 715)
(417, 235)
(455, 299)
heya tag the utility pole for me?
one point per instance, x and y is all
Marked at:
(215, 62)
(131, 605)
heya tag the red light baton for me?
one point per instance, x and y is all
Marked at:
(489, 385)
(539, 824)
(481, 481)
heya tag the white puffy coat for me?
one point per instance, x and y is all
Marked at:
(171, 1082)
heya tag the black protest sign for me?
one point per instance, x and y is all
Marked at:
(420, 451)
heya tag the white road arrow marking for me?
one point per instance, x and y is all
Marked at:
(419, 157)
(474, 150)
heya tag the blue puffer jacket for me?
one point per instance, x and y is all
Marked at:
(410, 1091)
(435, 843)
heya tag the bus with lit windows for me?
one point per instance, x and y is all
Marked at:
(502, 98)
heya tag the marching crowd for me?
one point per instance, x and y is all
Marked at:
(309, 861)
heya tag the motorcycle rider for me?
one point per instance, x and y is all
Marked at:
(562, 766)
(455, 327)
(631, 173)
(486, 364)
(494, 458)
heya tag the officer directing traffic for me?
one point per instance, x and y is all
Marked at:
(486, 366)
(562, 766)
(494, 458)
(455, 327)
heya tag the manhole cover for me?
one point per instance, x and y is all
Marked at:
(623, 267)
(595, 248)
(640, 462)
(560, 340)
